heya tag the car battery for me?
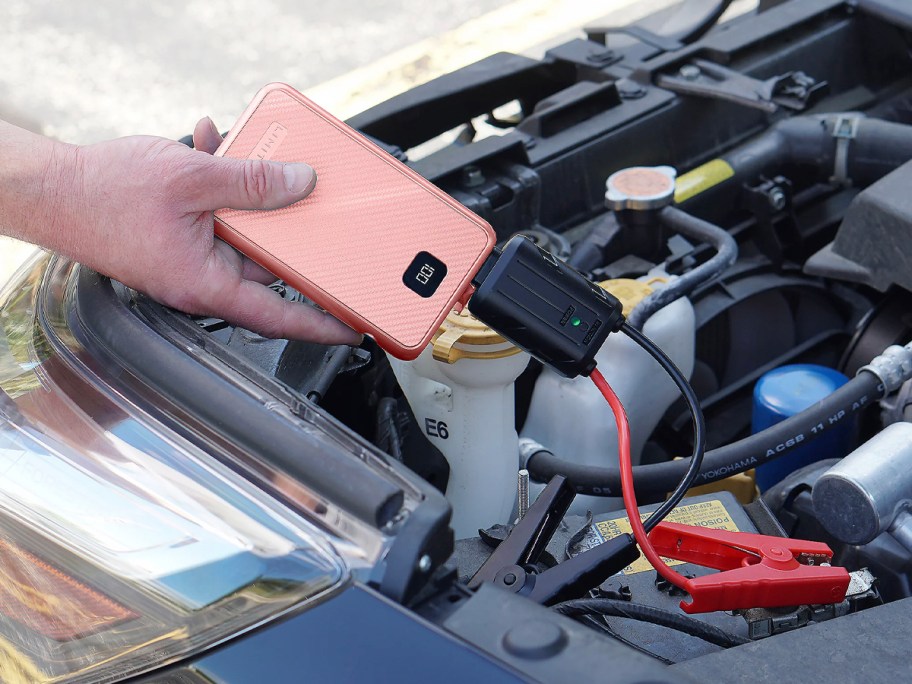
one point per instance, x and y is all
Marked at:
(640, 583)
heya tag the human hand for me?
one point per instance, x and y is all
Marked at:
(140, 209)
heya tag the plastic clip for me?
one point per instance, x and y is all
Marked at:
(844, 130)
(758, 571)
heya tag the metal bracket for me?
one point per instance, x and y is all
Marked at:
(599, 34)
(770, 201)
(794, 90)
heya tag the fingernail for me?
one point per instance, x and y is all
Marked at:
(212, 127)
(299, 178)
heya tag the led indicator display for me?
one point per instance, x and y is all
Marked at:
(424, 274)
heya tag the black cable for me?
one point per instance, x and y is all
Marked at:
(678, 28)
(699, 424)
(660, 478)
(600, 623)
(708, 13)
(652, 615)
(388, 437)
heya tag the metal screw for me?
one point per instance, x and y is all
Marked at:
(602, 56)
(509, 579)
(472, 176)
(424, 563)
(523, 493)
(777, 198)
(689, 72)
(629, 90)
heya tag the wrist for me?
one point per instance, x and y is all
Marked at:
(38, 177)
(61, 189)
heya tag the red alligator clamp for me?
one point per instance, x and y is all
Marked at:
(758, 571)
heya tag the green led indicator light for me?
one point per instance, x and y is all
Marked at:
(575, 321)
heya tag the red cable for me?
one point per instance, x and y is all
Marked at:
(629, 496)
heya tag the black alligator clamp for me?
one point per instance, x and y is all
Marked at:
(510, 566)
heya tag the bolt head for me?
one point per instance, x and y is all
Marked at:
(777, 199)
(425, 563)
(690, 72)
(628, 89)
(472, 176)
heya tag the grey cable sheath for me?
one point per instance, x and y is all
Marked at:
(702, 231)
(657, 479)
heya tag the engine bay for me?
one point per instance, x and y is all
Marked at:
(789, 130)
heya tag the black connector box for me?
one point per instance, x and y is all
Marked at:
(545, 307)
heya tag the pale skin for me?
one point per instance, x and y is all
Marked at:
(140, 210)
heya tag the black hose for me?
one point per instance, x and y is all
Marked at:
(699, 425)
(655, 616)
(657, 479)
(698, 229)
(876, 148)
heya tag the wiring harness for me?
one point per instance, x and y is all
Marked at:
(641, 529)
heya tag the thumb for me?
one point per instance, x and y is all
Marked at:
(250, 184)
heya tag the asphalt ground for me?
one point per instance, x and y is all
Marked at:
(89, 70)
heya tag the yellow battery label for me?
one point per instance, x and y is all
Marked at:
(702, 178)
(703, 514)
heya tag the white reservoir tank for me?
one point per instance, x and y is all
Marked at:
(461, 391)
(571, 418)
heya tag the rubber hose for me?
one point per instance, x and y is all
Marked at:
(655, 616)
(655, 480)
(807, 142)
(698, 229)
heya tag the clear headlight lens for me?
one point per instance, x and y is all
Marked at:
(123, 547)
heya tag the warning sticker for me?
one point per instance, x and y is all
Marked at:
(703, 514)
(701, 179)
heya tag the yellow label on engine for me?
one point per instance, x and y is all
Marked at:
(703, 514)
(702, 178)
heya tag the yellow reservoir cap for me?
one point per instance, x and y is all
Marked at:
(462, 336)
(630, 292)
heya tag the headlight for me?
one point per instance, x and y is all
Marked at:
(122, 546)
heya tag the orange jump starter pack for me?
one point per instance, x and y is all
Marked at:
(375, 244)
